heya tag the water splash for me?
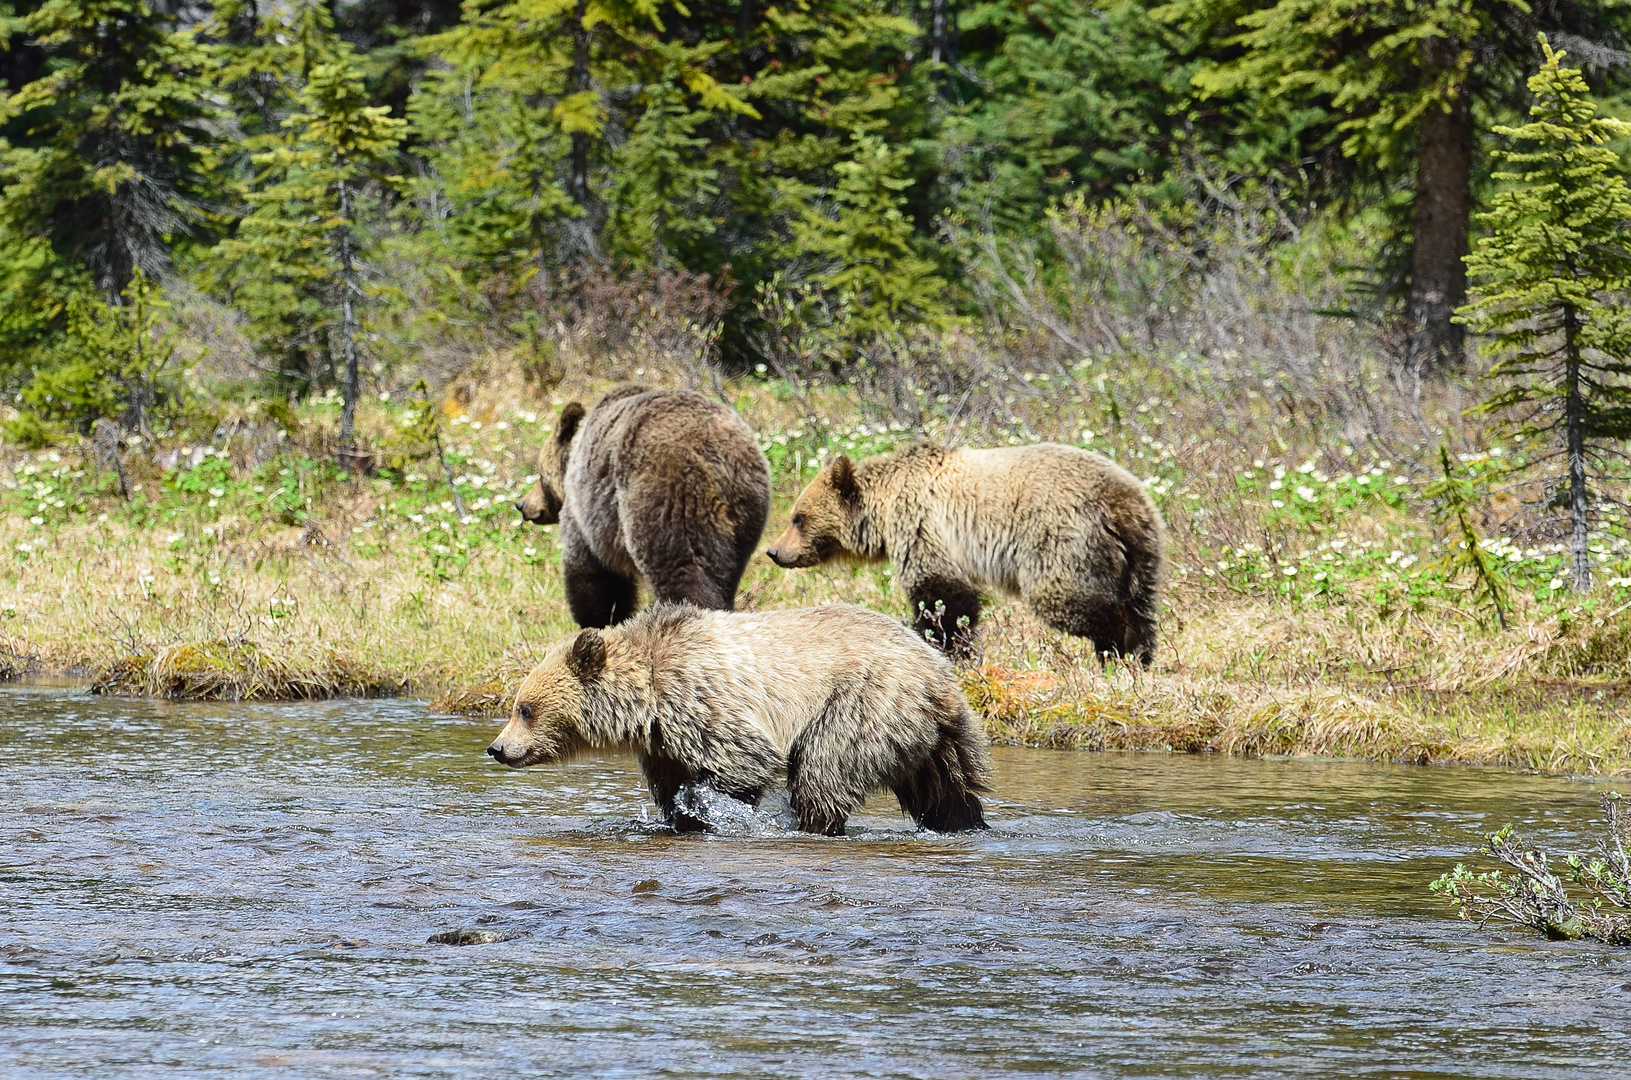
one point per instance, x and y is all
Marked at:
(717, 812)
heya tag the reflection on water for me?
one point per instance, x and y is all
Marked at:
(249, 890)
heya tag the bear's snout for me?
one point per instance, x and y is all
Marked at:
(502, 755)
(793, 552)
(779, 555)
(531, 508)
(539, 505)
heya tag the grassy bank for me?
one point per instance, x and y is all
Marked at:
(1314, 605)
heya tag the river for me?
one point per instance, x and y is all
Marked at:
(250, 890)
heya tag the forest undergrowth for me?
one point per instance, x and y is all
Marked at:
(1321, 596)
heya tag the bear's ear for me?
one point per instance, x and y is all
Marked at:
(571, 417)
(587, 658)
(841, 474)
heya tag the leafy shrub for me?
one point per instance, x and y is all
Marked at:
(1535, 896)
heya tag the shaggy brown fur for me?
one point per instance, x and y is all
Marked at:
(1068, 531)
(844, 700)
(663, 485)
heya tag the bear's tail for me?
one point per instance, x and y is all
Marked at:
(942, 794)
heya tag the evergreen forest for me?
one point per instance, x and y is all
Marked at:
(332, 193)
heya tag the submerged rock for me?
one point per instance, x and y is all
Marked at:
(466, 936)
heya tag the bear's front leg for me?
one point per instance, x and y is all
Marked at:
(664, 779)
(945, 612)
(597, 595)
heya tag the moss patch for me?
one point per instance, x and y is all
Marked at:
(225, 670)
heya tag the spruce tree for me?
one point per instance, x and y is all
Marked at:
(642, 135)
(1549, 287)
(1398, 82)
(862, 243)
(832, 193)
(19, 63)
(261, 59)
(556, 127)
(114, 362)
(295, 265)
(1066, 97)
(108, 164)
(36, 285)
(664, 180)
(491, 197)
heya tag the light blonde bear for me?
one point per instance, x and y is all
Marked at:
(1070, 532)
(841, 700)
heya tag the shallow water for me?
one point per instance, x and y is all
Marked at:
(248, 891)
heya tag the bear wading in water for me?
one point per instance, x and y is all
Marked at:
(1070, 532)
(841, 700)
(663, 485)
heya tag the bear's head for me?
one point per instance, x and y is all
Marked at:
(822, 518)
(541, 505)
(546, 723)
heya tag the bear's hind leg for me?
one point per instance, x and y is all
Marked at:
(933, 799)
(813, 803)
(1140, 636)
(1099, 618)
(946, 613)
(940, 795)
(830, 771)
(683, 553)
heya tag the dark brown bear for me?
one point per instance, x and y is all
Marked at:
(1071, 533)
(661, 485)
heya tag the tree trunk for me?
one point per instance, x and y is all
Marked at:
(582, 232)
(940, 50)
(348, 326)
(577, 82)
(1574, 417)
(1438, 278)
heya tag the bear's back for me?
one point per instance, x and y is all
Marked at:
(676, 441)
(665, 431)
(778, 670)
(990, 508)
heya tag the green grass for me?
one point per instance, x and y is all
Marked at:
(1314, 606)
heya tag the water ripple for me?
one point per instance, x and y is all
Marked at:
(272, 890)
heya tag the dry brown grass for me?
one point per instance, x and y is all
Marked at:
(1189, 368)
(1259, 681)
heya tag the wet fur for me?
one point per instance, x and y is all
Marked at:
(1068, 531)
(661, 485)
(841, 700)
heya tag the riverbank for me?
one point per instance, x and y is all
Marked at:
(1314, 605)
(1410, 713)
